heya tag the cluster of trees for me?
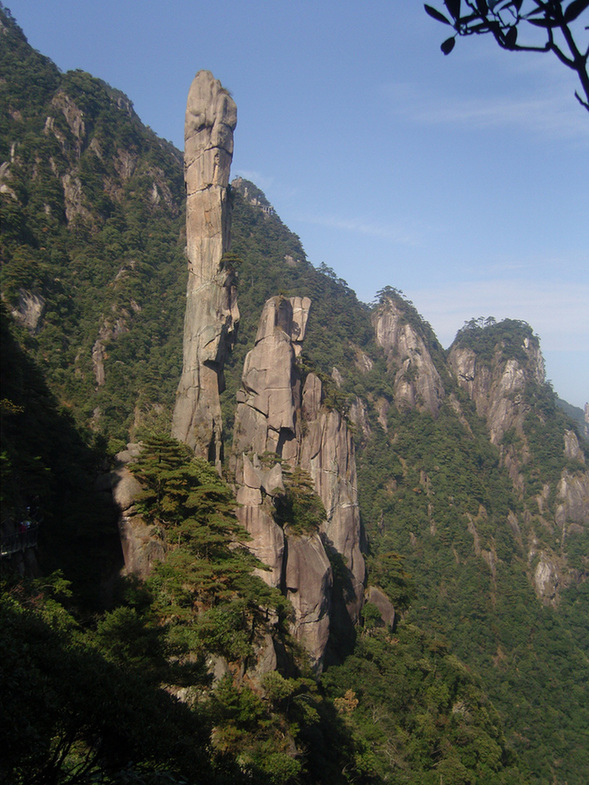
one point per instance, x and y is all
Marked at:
(476, 676)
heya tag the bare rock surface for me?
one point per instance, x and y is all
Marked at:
(211, 303)
(308, 583)
(573, 499)
(265, 422)
(29, 310)
(280, 424)
(256, 488)
(327, 453)
(497, 387)
(141, 548)
(572, 448)
(385, 607)
(416, 381)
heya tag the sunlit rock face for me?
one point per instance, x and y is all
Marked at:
(416, 381)
(211, 303)
(327, 453)
(266, 424)
(281, 424)
(501, 380)
(497, 387)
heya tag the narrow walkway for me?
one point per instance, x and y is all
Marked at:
(15, 543)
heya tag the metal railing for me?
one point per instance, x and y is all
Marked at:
(16, 543)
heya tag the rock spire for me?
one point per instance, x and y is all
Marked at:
(281, 425)
(211, 306)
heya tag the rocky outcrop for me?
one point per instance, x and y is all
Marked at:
(503, 378)
(281, 425)
(327, 453)
(141, 547)
(256, 490)
(497, 386)
(211, 305)
(416, 381)
(29, 310)
(573, 499)
(266, 417)
(385, 607)
(572, 448)
(308, 583)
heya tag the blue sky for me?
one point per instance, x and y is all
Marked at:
(461, 180)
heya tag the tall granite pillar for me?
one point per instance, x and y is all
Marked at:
(211, 305)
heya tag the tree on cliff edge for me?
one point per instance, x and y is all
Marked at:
(524, 26)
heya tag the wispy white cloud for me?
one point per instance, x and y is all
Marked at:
(553, 114)
(557, 312)
(410, 234)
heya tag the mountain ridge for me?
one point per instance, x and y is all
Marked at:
(483, 508)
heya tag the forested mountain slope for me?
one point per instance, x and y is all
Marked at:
(472, 487)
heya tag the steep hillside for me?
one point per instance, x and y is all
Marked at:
(93, 268)
(456, 474)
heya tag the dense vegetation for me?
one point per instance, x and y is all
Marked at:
(111, 680)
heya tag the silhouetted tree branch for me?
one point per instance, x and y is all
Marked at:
(506, 19)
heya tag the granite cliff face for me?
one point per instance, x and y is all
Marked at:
(505, 380)
(416, 381)
(211, 305)
(280, 426)
(497, 386)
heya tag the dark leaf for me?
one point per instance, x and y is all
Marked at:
(453, 7)
(574, 9)
(541, 9)
(482, 7)
(448, 45)
(466, 20)
(543, 22)
(436, 14)
(511, 37)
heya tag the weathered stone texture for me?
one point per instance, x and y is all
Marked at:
(141, 548)
(211, 302)
(308, 583)
(385, 607)
(416, 381)
(497, 387)
(274, 415)
(327, 453)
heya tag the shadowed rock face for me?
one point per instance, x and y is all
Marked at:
(276, 415)
(327, 453)
(211, 303)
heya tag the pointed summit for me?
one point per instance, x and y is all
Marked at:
(211, 304)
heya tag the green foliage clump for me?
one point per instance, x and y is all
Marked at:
(205, 589)
(420, 712)
(386, 571)
(503, 340)
(72, 713)
(91, 228)
(299, 510)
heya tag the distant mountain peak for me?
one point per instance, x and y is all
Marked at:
(253, 195)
